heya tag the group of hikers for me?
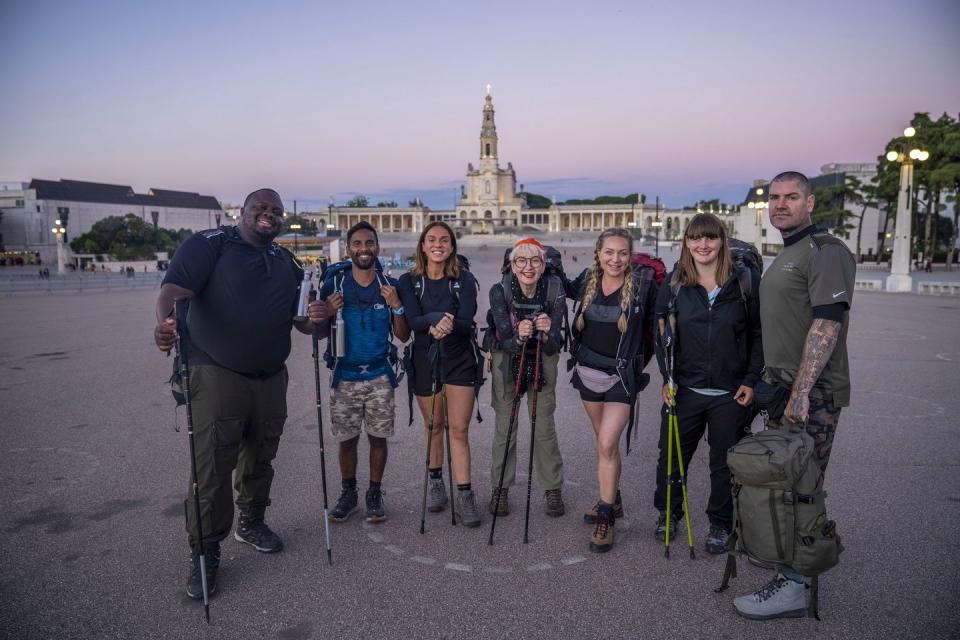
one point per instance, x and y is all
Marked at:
(722, 334)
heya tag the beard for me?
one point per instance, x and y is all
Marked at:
(364, 261)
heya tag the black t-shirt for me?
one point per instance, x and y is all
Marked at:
(245, 300)
(600, 331)
(436, 299)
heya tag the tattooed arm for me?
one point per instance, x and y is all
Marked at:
(821, 340)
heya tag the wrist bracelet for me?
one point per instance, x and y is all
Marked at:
(398, 312)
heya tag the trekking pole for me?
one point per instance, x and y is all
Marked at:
(506, 448)
(446, 430)
(323, 457)
(533, 431)
(426, 471)
(180, 309)
(673, 435)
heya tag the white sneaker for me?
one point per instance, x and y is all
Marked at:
(779, 598)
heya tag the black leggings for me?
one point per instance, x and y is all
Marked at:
(725, 422)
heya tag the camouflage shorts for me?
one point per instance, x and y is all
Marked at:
(362, 403)
(821, 425)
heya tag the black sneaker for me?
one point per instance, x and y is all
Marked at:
(661, 531)
(346, 505)
(212, 563)
(254, 531)
(374, 499)
(717, 539)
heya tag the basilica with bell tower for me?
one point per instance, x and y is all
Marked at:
(488, 201)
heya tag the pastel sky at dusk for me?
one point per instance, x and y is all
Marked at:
(687, 100)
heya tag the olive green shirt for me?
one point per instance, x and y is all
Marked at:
(817, 270)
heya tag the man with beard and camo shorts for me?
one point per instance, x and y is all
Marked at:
(363, 379)
(805, 298)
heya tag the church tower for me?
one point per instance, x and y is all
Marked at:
(489, 202)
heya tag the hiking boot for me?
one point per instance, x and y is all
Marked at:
(346, 505)
(601, 540)
(554, 503)
(661, 530)
(467, 509)
(590, 517)
(779, 598)
(374, 500)
(717, 539)
(436, 495)
(252, 530)
(211, 562)
(504, 508)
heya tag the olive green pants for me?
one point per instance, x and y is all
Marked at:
(546, 449)
(237, 423)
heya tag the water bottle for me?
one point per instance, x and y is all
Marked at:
(303, 297)
(339, 346)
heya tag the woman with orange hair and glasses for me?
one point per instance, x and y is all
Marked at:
(612, 323)
(526, 307)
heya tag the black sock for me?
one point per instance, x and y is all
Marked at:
(436, 473)
(349, 483)
(375, 485)
(463, 487)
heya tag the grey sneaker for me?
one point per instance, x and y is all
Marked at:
(346, 505)
(661, 530)
(467, 509)
(374, 500)
(436, 495)
(717, 539)
(779, 598)
(503, 509)
(554, 506)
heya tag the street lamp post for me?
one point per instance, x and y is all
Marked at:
(758, 205)
(58, 230)
(899, 279)
(657, 223)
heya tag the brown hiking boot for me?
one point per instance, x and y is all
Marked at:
(601, 540)
(554, 503)
(504, 508)
(590, 517)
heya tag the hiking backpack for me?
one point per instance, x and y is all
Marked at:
(335, 274)
(455, 287)
(779, 510)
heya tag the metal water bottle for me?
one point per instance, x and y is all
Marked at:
(339, 346)
(303, 296)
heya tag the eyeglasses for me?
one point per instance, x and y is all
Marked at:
(522, 263)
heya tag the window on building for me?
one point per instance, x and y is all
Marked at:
(38, 208)
(487, 186)
(488, 149)
(488, 214)
(19, 203)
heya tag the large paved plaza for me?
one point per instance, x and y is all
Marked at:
(94, 474)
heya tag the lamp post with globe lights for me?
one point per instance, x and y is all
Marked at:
(758, 205)
(59, 230)
(906, 155)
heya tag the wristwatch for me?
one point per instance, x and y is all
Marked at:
(397, 312)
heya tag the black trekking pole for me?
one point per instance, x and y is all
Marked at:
(323, 457)
(510, 423)
(533, 430)
(446, 429)
(180, 309)
(433, 405)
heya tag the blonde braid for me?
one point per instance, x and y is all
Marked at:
(590, 292)
(626, 297)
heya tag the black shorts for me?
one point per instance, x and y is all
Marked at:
(459, 371)
(615, 393)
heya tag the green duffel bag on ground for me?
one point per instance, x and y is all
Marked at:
(779, 508)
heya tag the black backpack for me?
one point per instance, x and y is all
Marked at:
(745, 254)
(455, 288)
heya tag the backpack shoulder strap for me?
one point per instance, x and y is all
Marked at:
(554, 286)
(507, 289)
(746, 283)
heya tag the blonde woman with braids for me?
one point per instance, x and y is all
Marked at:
(612, 322)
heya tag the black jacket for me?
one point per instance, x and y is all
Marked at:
(716, 347)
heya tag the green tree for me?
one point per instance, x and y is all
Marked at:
(387, 204)
(358, 200)
(633, 198)
(127, 238)
(536, 201)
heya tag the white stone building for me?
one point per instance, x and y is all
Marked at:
(30, 210)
